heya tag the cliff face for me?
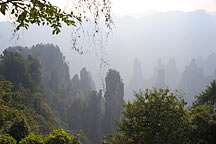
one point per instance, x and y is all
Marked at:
(113, 100)
(85, 84)
(55, 71)
(193, 81)
(137, 82)
(93, 113)
(73, 104)
(209, 65)
(172, 76)
(160, 81)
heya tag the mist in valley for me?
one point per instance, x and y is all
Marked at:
(139, 48)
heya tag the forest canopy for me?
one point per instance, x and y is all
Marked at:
(159, 116)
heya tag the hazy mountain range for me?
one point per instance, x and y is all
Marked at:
(168, 35)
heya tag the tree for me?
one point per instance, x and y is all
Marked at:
(208, 96)
(44, 12)
(203, 122)
(32, 139)
(58, 136)
(6, 139)
(20, 71)
(15, 118)
(62, 137)
(19, 130)
(203, 116)
(156, 116)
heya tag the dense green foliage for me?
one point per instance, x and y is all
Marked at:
(56, 137)
(16, 119)
(62, 137)
(159, 116)
(203, 122)
(32, 139)
(203, 115)
(208, 96)
(156, 116)
(18, 70)
(23, 108)
(6, 139)
(19, 130)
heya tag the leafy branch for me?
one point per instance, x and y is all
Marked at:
(38, 12)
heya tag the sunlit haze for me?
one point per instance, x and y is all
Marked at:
(145, 6)
(140, 7)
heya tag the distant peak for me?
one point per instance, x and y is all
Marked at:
(199, 12)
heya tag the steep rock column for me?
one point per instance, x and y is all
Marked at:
(160, 81)
(113, 100)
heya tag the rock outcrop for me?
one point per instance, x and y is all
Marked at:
(114, 96)
(193, 81)
(160, 81)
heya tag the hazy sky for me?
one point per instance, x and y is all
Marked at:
(124, 7)
(143, 6)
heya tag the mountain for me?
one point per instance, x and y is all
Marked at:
(178, 35)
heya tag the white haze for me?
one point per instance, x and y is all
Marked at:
(178, 35)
